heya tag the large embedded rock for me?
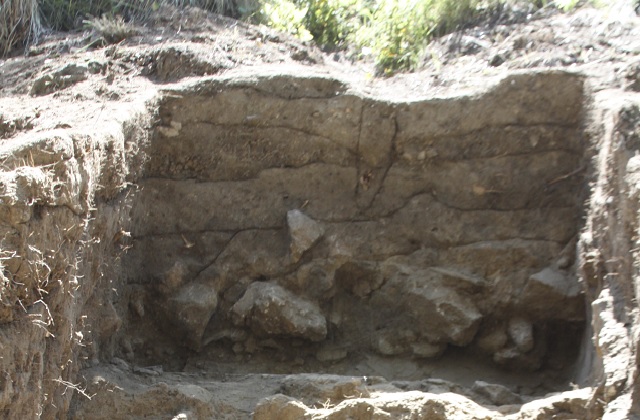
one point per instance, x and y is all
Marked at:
(432, 311)
(444, 314)
(552, 294)
(427, 350)
(513, 358)
(191, 309)
(496, 394)
(174, 278)
(309, 387)
(269, 309)
(492, 339)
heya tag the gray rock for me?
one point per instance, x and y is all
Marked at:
(173, 278)
(460, 279)
(63, 77)
(457, 317)
(269, 309)
(434, 312)
(320, 387)
(442, 313)
(632, 77)
(191, 309)
(387, 346)
(551, 294)
(149, 370)
(121, 364)
(497, 394)
(513, 358)
(304, 232)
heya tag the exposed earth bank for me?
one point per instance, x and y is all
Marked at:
(212, 220)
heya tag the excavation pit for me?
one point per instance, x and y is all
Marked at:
(286, 225)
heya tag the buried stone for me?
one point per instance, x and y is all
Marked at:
(192, 307)
(438, 314)
(551, 293)
(269, 309)
(304, 231)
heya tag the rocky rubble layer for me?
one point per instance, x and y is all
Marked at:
(123, 391)
(298, 215)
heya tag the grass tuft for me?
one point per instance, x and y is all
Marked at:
(19, 24)
(111, 30)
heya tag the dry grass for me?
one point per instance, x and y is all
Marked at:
(20, 20)
(111, 30)
(218, 6)
(19, 23)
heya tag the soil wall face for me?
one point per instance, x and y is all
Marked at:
(60, 207)
(297, 218)
(293, 220)
(608, 251)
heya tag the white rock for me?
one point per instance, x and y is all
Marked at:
(521, 332)
(304, 232)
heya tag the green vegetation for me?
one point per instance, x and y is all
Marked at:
(393, 32)
(284, 16)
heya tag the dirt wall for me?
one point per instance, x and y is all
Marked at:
(273, 222)
(399, 228)
(61, 205)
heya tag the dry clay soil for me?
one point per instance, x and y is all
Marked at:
(291, 270)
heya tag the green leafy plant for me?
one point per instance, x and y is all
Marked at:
(285, 16)
(397, 31)
(331, 22)
(394, 32)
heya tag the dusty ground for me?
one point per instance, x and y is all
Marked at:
(67, 83)
(178, 44)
